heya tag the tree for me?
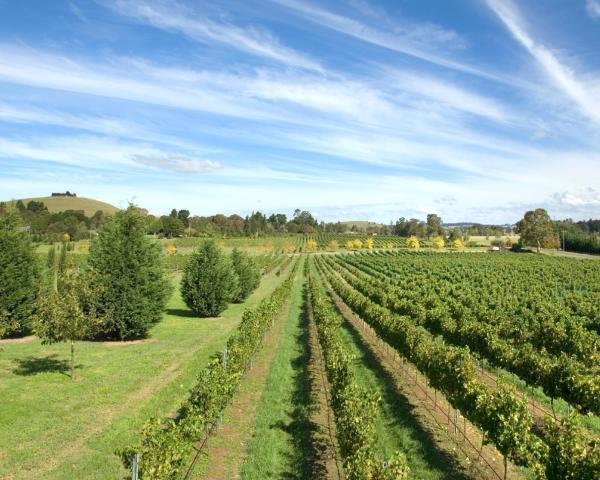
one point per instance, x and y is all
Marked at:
(369, 243)
(438, 243)
(311, 246)
(458, 244)
(129, 275)
(357, 244)
(537, 229)
(247, 273)
(349, 245)
(434, 225)
(183, 215)
(61, 315)
(333, 245)
(413, 243)
(171, 226)
(19, 276)
(209, 282)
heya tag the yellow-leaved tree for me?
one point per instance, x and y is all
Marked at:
(413, 243)
(171, 249)
(357, 244)
(458, 244)
(66, 238)
(350, 245)
(289, 248)
(311, 246)
(369, 243)
(333, 246)
(438, 243)
(84, 246)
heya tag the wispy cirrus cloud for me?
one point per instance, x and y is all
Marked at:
(592, 7)
(175, 17)
(585, 94)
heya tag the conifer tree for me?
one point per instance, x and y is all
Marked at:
(19, 276)
(129, 277)
(209, 281)
(247, 273)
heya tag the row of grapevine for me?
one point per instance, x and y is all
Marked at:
(560, 376)
(354, 408)
(166, 444)
(504, 419)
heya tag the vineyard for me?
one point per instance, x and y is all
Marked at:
(380, 363)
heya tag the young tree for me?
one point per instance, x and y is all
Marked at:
(438, 243)
(413, 243)
(369, 243)
(333, 245)
(129, 275)
(311, 246)
(19, 276)
(61, 316)
(247, 273)
(209, 282)
(537, 229)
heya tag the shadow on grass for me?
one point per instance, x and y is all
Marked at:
(34, 365)
(181, 312)
(400, 412)
(303, 462)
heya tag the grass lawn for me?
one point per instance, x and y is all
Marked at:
(281, 444)
(51, 427)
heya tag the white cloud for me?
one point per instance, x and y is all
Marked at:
(176, 163)
(172, 16)
(593, 8)
(567, 80)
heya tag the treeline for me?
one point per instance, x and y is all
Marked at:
(51, 227)
(180, 222)
(582, 236)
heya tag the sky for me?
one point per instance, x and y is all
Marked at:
(476, 110)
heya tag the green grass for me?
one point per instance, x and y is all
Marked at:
(88, 205)
(397, 429)
(58, 429)
(280, 446)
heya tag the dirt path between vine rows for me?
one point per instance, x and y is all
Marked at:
(328, 463)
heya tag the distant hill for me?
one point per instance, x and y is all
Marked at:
(60, 204)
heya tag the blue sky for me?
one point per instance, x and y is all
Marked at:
(354, 109)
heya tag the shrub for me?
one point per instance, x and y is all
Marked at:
(247, 273)
(128, 276)
(209, 282)
(19, 277)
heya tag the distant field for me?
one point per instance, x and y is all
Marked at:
(486, 240)
(88, 205)
(361, 224)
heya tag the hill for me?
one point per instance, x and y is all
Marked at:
(60, 204)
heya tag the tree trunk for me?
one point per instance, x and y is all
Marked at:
(72, 360)
(538, 246)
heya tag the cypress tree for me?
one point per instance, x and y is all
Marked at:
(19, 277)
(129, 277)
(248, 275)
(209, 282)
